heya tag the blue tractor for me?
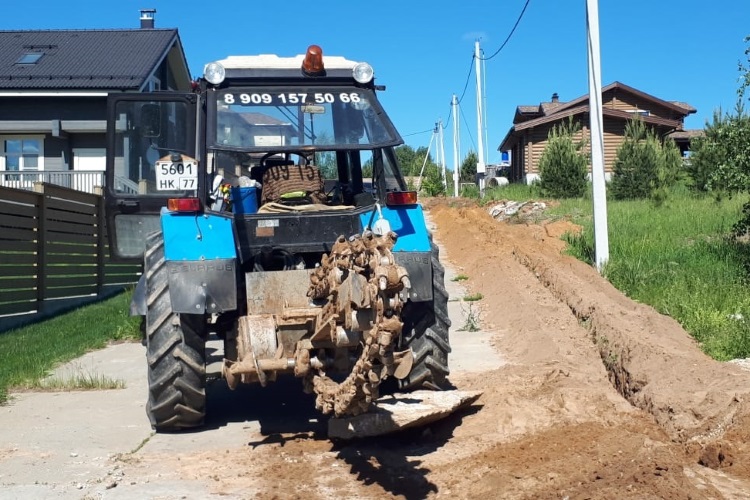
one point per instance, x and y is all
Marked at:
(268, 208)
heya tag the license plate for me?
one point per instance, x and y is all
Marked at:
(176, 176)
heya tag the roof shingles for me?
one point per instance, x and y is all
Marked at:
(82, 59)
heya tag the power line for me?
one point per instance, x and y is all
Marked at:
(450, 113)
(417, 133)
(509, 34)
(466, 85)
(468, 129)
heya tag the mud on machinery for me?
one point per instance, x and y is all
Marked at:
(268, 207)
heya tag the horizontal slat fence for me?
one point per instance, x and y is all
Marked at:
(54, 253)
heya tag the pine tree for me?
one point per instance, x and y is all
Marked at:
(642, 168)
(563, 167)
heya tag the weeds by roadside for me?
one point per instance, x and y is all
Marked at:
(472, 319)
(473, 297)
(76, 378)
(78, 382)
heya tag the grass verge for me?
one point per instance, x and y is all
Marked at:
(679, 258)
(28, 354)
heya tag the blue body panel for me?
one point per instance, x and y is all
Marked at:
(197, 237)
(408, 223)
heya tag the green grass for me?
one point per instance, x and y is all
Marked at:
(514, 191)
(28, 354)
(474, 297)
(460, 277)
(679, 258)
(81, 381)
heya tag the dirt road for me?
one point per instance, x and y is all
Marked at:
(587, 394)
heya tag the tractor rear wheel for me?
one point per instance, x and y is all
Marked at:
(425, 331)
(175, 351)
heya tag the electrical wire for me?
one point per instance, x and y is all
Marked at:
(509, 34)
(450, 113)
(468, 129)
(417, 133)
(466, 85)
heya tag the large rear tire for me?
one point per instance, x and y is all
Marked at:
(175, 351)
(425, 331)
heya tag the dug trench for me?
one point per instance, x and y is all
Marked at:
(683, 432)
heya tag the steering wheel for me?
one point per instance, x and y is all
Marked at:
(304, 155)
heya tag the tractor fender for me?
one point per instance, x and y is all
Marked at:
(201, 261)
(412, 248)
(419, 267)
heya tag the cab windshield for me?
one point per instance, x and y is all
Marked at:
(323, 118)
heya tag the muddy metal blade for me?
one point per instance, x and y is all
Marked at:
(401, 411)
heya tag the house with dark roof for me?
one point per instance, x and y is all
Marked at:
(527, 138)
(53, 96)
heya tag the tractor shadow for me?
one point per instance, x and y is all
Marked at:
(394, 461)
(280, 408)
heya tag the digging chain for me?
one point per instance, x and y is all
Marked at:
(359, 278)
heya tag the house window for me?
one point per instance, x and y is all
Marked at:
(30, 58)
(154, 84)
(21, 154)
(640, 112)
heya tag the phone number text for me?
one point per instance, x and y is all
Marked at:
(292, 98)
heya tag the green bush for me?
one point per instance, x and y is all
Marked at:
(563, 167)
(720, 160)
(644, 167)
(432, 181)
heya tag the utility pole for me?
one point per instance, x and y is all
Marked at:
(456, 142)
(480, 128)
(601, 236)
(421, 171)
(442, 154)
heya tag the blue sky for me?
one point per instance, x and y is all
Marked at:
(684, 50)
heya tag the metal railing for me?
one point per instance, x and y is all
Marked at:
(85, 181)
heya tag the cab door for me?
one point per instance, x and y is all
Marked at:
(152, 156)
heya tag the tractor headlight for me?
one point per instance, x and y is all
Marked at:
(362, 73)
(214, 73)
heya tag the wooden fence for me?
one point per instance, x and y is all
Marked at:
(54, 253)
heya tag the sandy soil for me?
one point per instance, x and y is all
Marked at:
(601, 397)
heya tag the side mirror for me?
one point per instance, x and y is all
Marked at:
(150, 121)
